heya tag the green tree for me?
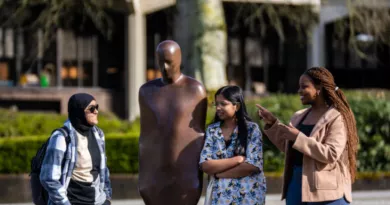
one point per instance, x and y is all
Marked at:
(363, 17)
(48, 15)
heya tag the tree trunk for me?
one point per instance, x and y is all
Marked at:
(201, 32)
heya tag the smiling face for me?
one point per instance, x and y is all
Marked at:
(224, 108)
(308, 91)
(91, 113)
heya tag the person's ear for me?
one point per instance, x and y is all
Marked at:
(238, 106)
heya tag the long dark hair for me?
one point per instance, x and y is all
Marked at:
(235, 96)
(335, 97)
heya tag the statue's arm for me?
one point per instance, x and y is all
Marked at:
(141, 103)
(200, 111)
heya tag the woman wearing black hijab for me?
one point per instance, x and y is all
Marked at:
(76, 172)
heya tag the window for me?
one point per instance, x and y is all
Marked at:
(6, 56)
(79, 59)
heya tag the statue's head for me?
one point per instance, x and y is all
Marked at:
(168, 55)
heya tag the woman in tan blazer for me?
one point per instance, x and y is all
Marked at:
(320, 143)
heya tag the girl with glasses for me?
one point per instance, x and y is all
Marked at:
(232, 154)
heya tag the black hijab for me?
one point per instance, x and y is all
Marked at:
(76, 106)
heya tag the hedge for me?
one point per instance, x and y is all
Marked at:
(16, 153)
(122, 154)
(32, 124)
(372, 115)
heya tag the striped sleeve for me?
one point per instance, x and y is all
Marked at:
(104, 167)
(107, 182)
(51, 169)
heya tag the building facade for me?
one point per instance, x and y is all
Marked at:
(114, 70)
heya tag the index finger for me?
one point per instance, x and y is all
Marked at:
(260, 107)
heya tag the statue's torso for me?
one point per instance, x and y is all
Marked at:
(169, 145)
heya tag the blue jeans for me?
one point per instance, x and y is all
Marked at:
(294, 192)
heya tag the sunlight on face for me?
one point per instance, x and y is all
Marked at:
(307, 90)
(224, 108)
(91, 113)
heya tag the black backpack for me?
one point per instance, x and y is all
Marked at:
(39, 193)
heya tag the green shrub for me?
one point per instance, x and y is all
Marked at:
(359, 94)
(16, 153)
(27, 124)
(32, 124)
(373, 123)
(122, 153)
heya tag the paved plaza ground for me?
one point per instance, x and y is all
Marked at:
(359, 197)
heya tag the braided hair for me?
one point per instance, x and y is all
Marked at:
(336, 98)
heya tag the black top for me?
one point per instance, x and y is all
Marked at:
(297, 156)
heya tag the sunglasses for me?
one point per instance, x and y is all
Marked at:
(93, 108)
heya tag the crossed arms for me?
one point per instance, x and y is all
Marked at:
(237, 166)
(234, 167)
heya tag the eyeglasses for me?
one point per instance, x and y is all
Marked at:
(93, 108)
(222, 104)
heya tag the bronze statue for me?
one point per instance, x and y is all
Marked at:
(173, 113)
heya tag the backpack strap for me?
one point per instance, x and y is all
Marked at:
(65, 131)
(37, 160)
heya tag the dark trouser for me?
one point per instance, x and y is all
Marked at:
(294, 192)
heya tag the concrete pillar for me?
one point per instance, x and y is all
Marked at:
(60, 38)
(135, 59)
(316, 48)
(316, 55)
(19, 52)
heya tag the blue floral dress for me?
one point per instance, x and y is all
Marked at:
(249, 190)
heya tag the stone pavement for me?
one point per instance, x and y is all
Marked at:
(360, 198)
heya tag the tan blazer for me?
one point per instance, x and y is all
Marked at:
(326, 175)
